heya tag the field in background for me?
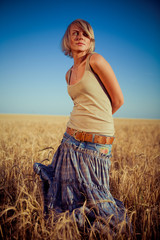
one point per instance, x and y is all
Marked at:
(134, 176)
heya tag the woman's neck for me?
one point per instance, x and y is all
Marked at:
(79, 58)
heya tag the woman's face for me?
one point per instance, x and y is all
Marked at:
(79, 40)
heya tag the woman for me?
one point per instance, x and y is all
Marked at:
(78, 177)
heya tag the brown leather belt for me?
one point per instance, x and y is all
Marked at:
(89, 137)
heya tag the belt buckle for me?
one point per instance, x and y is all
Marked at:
(80, 136)
(77, 136)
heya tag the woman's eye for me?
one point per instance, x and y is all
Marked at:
(75, 33)
(85, 34)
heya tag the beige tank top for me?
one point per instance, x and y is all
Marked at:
(92, 111)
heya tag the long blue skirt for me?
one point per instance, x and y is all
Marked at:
(78, 179)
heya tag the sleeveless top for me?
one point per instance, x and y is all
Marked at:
(92, 111)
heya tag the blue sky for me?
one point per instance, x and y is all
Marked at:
(32, 66)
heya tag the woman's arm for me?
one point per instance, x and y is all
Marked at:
(102, 68)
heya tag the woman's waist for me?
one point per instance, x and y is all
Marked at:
(101, 127)
(99, 150)
(89, 136)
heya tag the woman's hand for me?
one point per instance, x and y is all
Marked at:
(102, 68)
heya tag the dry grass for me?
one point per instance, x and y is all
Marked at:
(134, 178)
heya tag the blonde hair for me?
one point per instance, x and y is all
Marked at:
(86, 27)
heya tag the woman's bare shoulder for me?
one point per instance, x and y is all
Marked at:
(96, 60)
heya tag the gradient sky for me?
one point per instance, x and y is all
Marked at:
(32, 66)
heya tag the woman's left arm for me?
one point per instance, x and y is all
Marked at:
(102, 68)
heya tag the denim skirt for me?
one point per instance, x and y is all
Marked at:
(78, 179)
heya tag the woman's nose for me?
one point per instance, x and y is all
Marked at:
(80, 35)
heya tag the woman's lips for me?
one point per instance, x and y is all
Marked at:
(80, 44)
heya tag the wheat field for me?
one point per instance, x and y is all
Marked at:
(134, 177)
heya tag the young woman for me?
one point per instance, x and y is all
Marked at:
(79, 172)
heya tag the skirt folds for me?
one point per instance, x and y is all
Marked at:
(78, 180)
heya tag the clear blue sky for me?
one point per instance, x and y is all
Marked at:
(32, 66)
